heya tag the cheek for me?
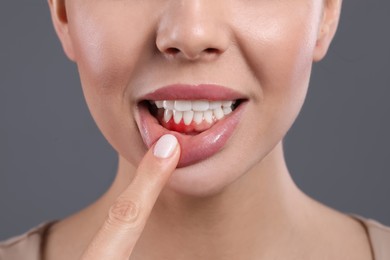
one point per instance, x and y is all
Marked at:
(278, 46)
(107, 52)
(108, 40)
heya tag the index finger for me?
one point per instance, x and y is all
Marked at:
(128, 215)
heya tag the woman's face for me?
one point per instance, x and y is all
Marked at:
(257, 53)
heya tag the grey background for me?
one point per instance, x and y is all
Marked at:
(54, 161)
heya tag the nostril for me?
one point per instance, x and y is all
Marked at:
(172, 51)
(211, 51)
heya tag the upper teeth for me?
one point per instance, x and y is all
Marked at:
(195, 105)
(194, 110)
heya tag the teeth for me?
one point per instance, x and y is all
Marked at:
(227, 103)
(200, 105)
(168, 115)
(227, 110)
(215, 104)
(188, 116)
(208, 116)
(159, 104)
(218, 113)
(183, 105)
(169, 104)
(198, 117)
(177, 116)
(194, 110)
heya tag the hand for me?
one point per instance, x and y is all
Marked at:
(128, 215)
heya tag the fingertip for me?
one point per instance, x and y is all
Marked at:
(165, 146)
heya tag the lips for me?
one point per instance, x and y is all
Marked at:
(199, 146)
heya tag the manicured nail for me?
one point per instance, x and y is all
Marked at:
(165, 146)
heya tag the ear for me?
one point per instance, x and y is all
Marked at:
(327, 29)
(60, 22)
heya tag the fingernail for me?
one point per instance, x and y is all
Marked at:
(165, 146)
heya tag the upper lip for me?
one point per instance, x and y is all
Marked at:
(193, 92)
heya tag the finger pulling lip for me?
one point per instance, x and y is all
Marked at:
(194, 148)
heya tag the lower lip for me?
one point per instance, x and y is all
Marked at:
(194, 148)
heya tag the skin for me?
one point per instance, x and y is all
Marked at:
(240, 203)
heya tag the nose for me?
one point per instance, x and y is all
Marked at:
(192, 30)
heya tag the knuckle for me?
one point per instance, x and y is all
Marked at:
(125, 213)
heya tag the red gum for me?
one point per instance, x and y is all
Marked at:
(192, 128)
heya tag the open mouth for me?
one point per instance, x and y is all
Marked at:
(190, 117)
(202, 117)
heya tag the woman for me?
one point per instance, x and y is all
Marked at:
(210, 88)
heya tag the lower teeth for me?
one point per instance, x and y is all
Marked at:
(197, 117)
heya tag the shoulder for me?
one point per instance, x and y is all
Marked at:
(26, 246)
(379, 236)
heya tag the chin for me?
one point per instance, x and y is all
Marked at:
(204, 179)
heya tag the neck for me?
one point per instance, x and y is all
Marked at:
(257, 207)
(262, 215)
(249, 219)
